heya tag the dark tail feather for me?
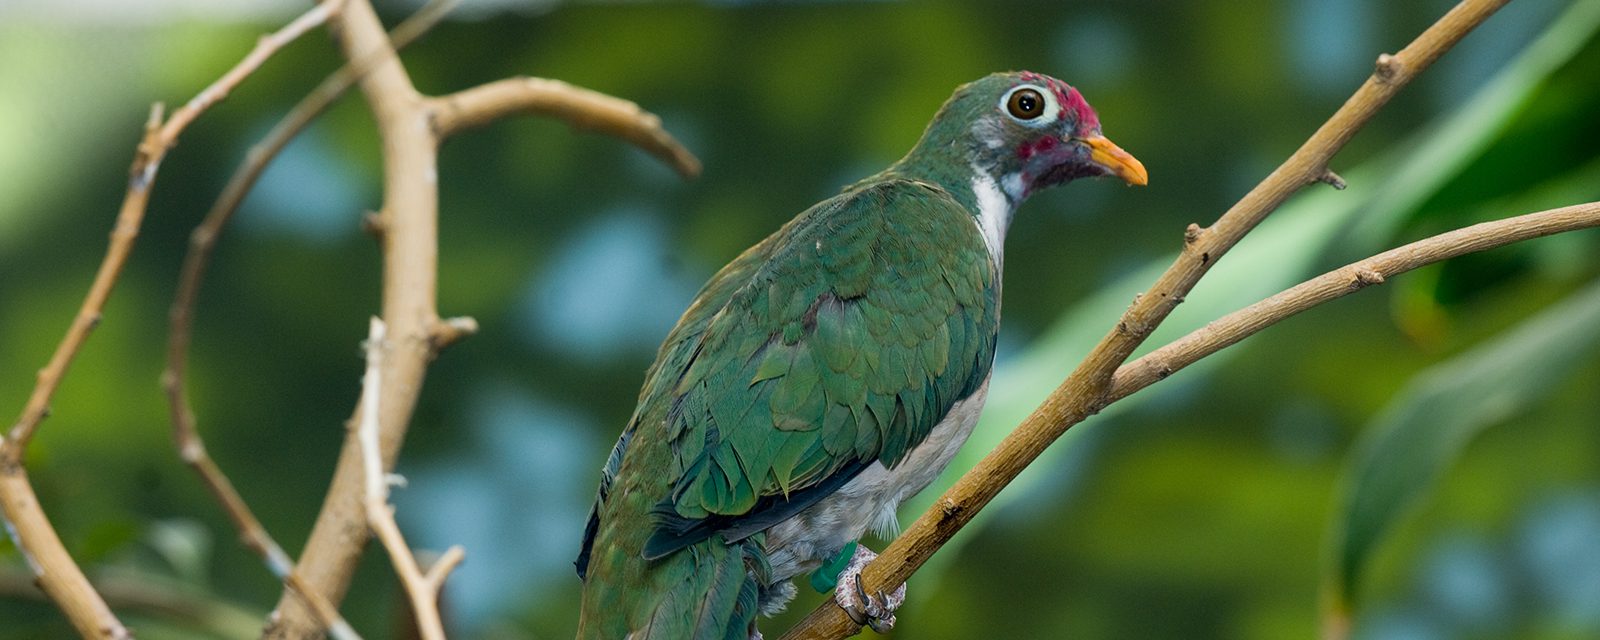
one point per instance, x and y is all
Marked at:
(714, 593)
(748, 604)
(714, 615)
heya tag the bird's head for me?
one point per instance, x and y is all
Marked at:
(1025, 131)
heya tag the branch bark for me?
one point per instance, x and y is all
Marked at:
(579, 107)
(1088, 388)
(202, 242)
(57, 574)
(1228, 330)
(410, 255)
(407, 227)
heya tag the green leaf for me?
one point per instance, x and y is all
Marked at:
(1410, 445)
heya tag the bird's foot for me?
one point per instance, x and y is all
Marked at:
(875, 610)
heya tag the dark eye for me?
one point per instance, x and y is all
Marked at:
(1025, 104)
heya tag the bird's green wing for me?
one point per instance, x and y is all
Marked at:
(869, 317)
(673, 358)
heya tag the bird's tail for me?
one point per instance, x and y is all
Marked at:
(710, 590)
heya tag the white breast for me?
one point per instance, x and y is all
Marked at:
(799, 544)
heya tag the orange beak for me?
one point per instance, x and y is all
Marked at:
(1112, 158)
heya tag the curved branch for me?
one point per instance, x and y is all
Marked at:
(1228, 330)
(36, 539)
(160, 136)
(579, 107)
(1087, 389)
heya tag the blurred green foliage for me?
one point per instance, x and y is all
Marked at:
(1199, 511)
(1413, 441)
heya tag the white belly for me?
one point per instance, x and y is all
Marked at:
(798, 545)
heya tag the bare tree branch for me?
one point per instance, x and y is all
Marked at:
(1087, 389)
(202, 242)
(407, 228)
(579, 107)
(1228, 330)
(409, 236)
(57, 574)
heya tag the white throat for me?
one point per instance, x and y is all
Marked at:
(996, 204)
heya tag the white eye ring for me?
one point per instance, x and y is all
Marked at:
(1046, 116)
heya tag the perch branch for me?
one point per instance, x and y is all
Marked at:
(422, 588)
(407, 228)
(36, 539)
(1087, 389)
(202, 242)
(1228, 330)
(579, 107)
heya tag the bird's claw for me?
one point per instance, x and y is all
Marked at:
(878, 609)
(875, 610)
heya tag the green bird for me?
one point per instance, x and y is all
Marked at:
(827, 374)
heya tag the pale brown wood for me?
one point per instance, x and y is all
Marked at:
(1088, 388)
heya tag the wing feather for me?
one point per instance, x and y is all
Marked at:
(872, 315)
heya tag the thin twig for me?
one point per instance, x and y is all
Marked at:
(57, 574)
(1228, 330)
(159, 138)
(1087, 389)
(422, 588)
(202, 242)
(265, 47)
(579, 107)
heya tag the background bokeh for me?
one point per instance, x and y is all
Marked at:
(1205, 508)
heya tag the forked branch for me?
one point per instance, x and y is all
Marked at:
(186, 436)
(421, 587)
(1228, 330)
(412, 127)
